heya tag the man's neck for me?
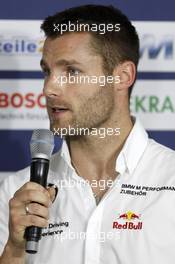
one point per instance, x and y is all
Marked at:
(94, 157)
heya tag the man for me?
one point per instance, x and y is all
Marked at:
(130, 221)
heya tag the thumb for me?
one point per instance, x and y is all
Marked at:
(53, 190)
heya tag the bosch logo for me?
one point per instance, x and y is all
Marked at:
(17, 100)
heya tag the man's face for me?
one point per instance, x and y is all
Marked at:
(86, 104)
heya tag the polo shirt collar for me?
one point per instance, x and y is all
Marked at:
(133, 148)
(130, 154)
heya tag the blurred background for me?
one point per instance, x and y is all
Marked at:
(22, 105)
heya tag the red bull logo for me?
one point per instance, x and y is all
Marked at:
(128, 217)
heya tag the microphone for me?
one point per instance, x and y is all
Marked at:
(41, 147)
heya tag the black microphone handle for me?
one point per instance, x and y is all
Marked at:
(38, 173)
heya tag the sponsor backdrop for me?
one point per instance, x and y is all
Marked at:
(22, 105)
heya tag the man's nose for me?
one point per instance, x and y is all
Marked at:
(52, 86)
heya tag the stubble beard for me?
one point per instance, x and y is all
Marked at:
(93, 112)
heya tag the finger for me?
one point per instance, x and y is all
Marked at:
(27, 196)
(20, 223)
(52, 190)
(39, 210)
(33, 208)
(17, 209)
(31, 186)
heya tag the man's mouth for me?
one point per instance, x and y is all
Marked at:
(59, 109)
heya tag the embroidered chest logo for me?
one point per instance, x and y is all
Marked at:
(128, 220)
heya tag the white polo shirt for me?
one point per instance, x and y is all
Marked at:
(133, 224)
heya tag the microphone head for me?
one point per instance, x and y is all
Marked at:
(42, 144)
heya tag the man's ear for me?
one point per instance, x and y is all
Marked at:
(127, 73)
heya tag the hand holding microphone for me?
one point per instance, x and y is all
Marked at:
(29, 207)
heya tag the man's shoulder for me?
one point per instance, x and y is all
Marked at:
(11, 183)
(160, 158)
(162, 151)
(15, 180)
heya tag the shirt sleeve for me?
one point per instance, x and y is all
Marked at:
(4, 213)
(7, 189)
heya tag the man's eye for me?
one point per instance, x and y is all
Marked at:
(73, 71)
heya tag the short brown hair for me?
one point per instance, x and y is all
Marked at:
(114, 47)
